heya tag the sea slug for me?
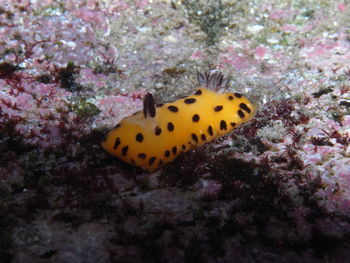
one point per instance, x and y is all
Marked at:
(160, 132)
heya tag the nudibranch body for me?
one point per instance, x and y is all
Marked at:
(158, 134)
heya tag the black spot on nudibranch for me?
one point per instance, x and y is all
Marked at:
(170, 126)
(125, 150)
(174, 150)
(218, 108)
(190, 101)
(167, 153)
(194, 137)
(233, 124)
(151, 160)
(160, 162)
(244, 106)
(223, 125)
(142, 155)
(157, 131)
(241, 114)
(198, 92)
(238, 95)
(230, 97)
(183, 147)
(173, 108)
(195, 118)
(210, 131)
(203, 137)
(139, 137)
(116, 143)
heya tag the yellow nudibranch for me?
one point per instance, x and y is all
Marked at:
(158, 134)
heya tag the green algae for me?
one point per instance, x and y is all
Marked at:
(212, 18)
(83, 108)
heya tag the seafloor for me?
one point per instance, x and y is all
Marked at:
(276, 190)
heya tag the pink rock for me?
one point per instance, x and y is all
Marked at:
(260, 51)
(141, 3)
(346, 121)
(237, 61)
(321, 48)
(210, 188)
(289, 28)
(341, 7)
(24, 101)
(89, 15)
(197, 55)
(279, 14)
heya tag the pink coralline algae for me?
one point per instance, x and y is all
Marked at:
(90, 16)
(260, 52)
(280, 15)
(342, 7)
(328, 55)
(41, 110)
(114, 108)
